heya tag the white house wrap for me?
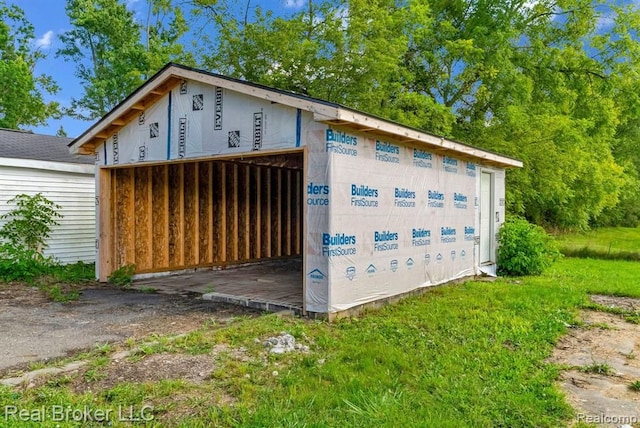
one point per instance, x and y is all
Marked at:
(205, 170)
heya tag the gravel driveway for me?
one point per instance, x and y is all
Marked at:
(33, 329)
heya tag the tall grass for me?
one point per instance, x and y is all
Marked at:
(610, 243)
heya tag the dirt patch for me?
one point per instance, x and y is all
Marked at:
(603, 360)
(624, 303)
(153, 368)
(36, 329)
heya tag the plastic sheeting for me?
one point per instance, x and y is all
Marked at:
(386, 218)
(196, 120)
(382, 218)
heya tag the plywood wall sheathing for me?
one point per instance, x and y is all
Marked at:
(160, 214)
(125, 220)
(266, 211)
(143, 219)
(191, 218)
(176, 215)
(185, 215)
(205, 213)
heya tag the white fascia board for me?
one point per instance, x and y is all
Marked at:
(48, 165)
(415, 136)
(120, 110)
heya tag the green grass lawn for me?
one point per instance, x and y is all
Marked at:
(462, 355)
(606, 242)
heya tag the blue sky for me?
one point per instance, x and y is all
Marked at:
(49, 19)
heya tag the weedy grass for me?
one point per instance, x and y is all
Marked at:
(462, 355)
(610, 243)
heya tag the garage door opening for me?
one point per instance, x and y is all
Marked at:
(209, 215)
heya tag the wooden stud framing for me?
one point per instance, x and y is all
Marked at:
(277, 221)
(288, 212)
(266, 218)
(220, 228)
(160, 227)
(184, 215)
(247, 212)
(190, 201)
(232, 211)
(142, 219)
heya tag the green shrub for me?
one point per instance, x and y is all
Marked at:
(525, 249)
(29, 223)
(122, 276)
(21, 264)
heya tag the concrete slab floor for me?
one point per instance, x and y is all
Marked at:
(273, 285)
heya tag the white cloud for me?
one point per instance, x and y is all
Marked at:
(45, 40)
(131, 4)
(295, 3)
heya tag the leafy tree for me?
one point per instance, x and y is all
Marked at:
(61, 132)
(21, 91)
(114, 52)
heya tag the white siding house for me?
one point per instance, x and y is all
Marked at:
(31, 164)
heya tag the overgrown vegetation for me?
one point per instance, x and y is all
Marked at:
(471, 355)
(525, 248)
(610, 243)
(23, 241)
(122, 276)
(23, 237)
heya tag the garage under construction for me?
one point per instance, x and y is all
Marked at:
(196, 170)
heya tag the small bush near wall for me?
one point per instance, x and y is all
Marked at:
(24, 236)
(524, 248)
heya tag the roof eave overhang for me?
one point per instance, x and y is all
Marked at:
(364, 123)
(171, 76)
(126, 111)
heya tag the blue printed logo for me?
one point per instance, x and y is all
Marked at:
(420, 237)
(450, 164)
(471, 169)
(371, 269)
(404, 198)
(427, 259)
(338, 245)
(317, 275)
(469, 233)
(460, 200)
(364, 196)
(385, 241)
(447, 235)
(393, 265)
(410, 263)
(435, 199)
(317, 194)
(453, 254)
(340, 142)
(463, 254)
(422, 159)
(439, 257)
(387, 152)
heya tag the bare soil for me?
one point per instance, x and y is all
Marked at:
(602, 360)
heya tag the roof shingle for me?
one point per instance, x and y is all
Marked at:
(27, 145)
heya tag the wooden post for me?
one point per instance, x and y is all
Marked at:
(105, 231)
(247, 213)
